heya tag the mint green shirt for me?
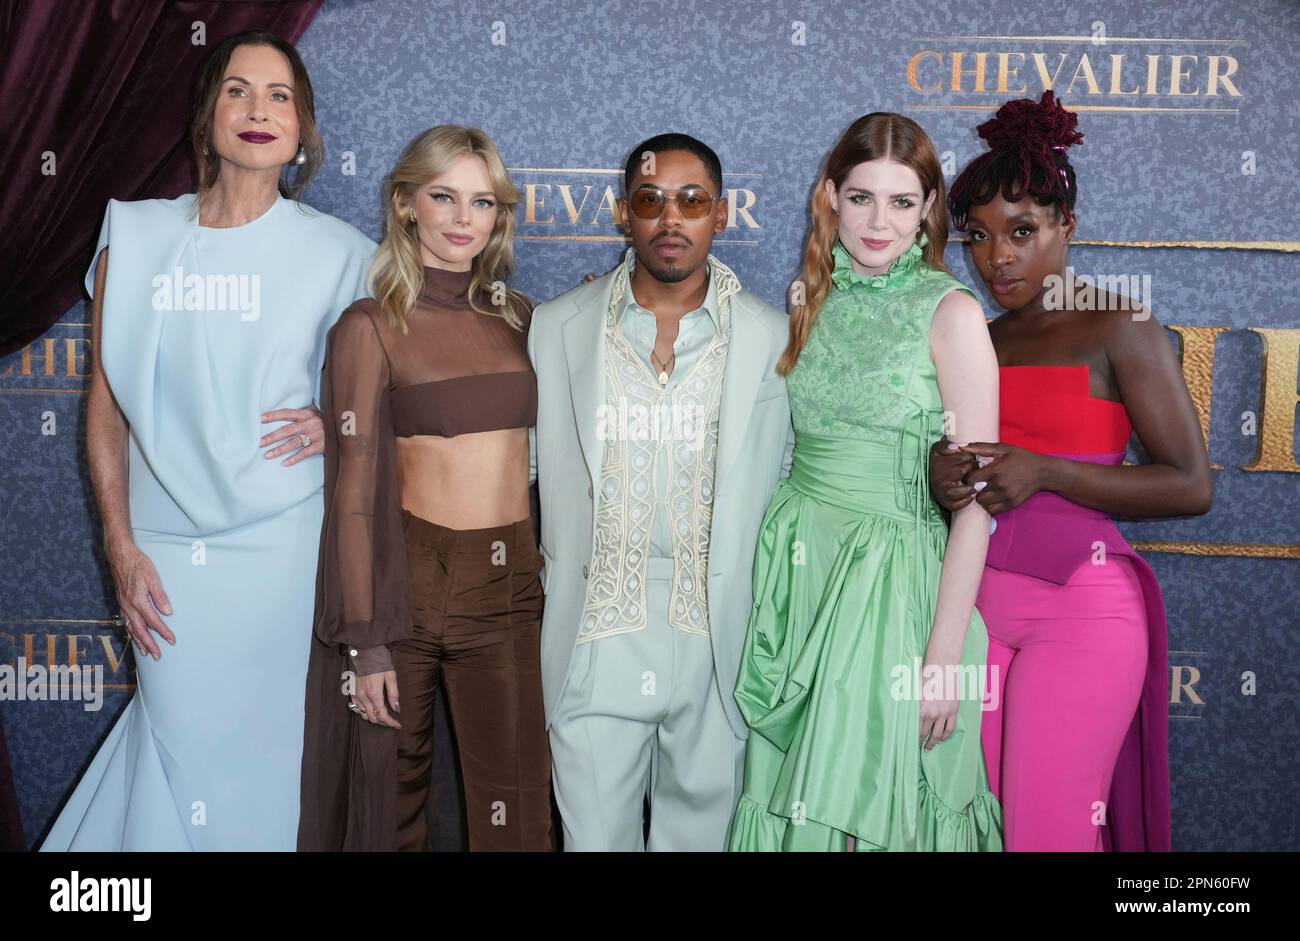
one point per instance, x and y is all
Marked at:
(696, 329)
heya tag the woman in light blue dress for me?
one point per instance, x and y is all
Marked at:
(210, 328)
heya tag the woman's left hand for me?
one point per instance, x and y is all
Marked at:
(1010, 475)
(938, 712)
(302, 421)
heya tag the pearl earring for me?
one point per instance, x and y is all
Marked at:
(302, 156)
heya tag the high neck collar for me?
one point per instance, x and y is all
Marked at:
(900, 272)
(446, 288)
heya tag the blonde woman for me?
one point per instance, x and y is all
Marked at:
(428, 566)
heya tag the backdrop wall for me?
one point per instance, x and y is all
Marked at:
(1187, 176)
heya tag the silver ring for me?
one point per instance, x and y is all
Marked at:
(353, 707)
(305, 440)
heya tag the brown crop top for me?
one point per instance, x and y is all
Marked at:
(456, 372)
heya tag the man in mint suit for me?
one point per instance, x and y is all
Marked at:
(662, 431)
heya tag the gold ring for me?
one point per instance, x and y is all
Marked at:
(376, 712)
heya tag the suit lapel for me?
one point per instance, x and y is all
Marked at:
(746, 361)
(584, 354)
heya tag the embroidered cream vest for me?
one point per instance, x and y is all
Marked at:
(626, 502)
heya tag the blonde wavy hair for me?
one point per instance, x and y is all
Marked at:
(875, 136)
(397, 272)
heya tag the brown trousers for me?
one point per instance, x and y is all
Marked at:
(476, 606)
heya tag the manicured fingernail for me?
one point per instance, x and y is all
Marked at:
(981, 485)
(953, 446)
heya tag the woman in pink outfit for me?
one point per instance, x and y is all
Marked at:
(1076, 733)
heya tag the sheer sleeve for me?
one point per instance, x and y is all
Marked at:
(532, 359)
(361, 584)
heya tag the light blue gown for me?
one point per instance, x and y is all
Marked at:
(207, 754)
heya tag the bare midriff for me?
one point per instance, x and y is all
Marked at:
(470, 481)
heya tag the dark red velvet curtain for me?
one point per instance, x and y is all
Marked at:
(11, 825)
(94, 105)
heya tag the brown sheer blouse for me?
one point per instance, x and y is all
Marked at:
(457, 371)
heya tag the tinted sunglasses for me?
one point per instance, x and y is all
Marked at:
(692, 202)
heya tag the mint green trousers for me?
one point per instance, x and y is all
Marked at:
(640, 723)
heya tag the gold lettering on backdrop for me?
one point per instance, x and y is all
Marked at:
(1216, 77)
(1006, 73)
(1177, 76)
(977, 71)
(532, 203)
(1198, 371)
(737, 207)
(1084, 68)
(112, 656)
(1178, 685)
(914, 65)
(609, 202)
(48, 357)
(74, 649)
(1040, 60)
(78, 654)
(1276, 450)
(1116, 71)
(537, 212)
(1088, 72)
(51, 649)
(1153, 73)
(574, 212)
(77, 359)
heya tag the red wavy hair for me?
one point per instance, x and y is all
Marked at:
(876, 136)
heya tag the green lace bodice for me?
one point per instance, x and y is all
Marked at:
(866, 371)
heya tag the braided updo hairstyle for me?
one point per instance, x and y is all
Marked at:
(1027, 144)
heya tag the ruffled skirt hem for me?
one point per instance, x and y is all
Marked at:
(938, 829)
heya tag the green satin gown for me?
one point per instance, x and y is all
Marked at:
(846, 576)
